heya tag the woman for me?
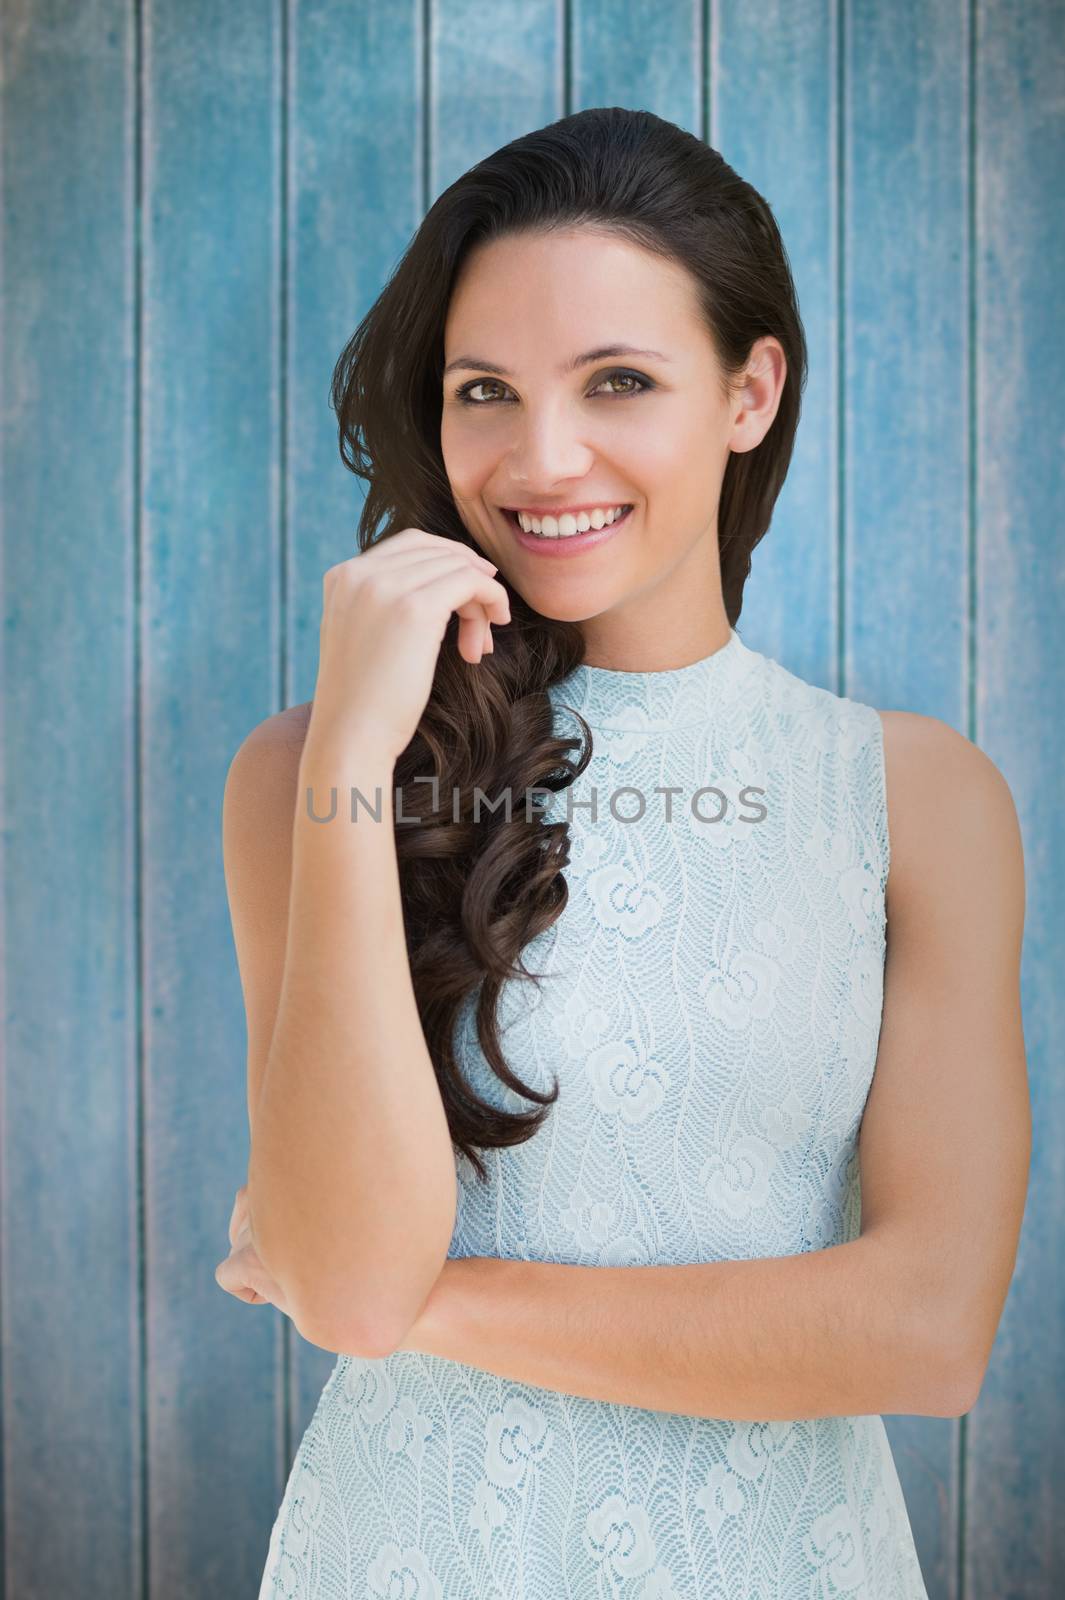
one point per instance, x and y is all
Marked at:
(633, 1338)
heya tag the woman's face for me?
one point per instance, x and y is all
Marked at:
(650, 428)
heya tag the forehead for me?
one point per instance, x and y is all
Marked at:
(556, 294)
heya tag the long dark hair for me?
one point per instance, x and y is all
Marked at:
(476, 892)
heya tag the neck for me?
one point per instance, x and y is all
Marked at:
(662, 650)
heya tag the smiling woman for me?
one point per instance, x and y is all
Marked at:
(653, 1357)
(561, 435)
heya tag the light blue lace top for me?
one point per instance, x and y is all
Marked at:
(712, 1013)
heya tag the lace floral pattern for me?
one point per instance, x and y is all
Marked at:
(711, 1009)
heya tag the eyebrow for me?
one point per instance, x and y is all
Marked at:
(602, 354)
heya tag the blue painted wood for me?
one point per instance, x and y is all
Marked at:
(355, 196)
(782, 59)
(1014, 1544)
(825, 585)
(903, 501)
(168, 519)
(494, 72)
(70, 1256)
(618, 60)
(211, 426)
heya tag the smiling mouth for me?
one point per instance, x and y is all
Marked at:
(563, 538)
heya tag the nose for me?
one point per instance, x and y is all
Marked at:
(548, 453)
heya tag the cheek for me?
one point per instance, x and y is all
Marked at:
(658, 471)
(450, 447)
(664, 451)
(469, 461)
(679, 463)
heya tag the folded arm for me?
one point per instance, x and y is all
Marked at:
(903, 1318)
(351, 1174)
(835, 1332)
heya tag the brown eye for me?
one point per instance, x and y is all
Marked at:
(463, 393)
(632, 376)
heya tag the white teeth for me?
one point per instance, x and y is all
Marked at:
(565, 526)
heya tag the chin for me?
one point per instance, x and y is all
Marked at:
(559, 611)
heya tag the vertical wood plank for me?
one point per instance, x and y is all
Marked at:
(906, 321)
(620, 57)
(1014, 1536)
(355, 186)
(495, 72)
(69, 1251)
(905, 465)
(774, 115)
(168, 519)
(211, 629)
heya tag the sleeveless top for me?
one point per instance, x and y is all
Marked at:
(711, 1009)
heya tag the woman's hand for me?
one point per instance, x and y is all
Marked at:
(242, 1273)
(384, 616)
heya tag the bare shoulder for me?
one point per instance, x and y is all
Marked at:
(285, 730)
(260, 790)
(276, 743)
(951, 813)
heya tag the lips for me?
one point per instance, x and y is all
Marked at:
(512, 518)
(562, 511)
(565, 544)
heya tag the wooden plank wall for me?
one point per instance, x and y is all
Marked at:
(200, 201)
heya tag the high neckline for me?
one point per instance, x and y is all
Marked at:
(608, 697)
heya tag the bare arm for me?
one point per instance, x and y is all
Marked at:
(836, 1332)
(345, 1113)
(352, 1186)
(903, 1318)
(257, 814)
